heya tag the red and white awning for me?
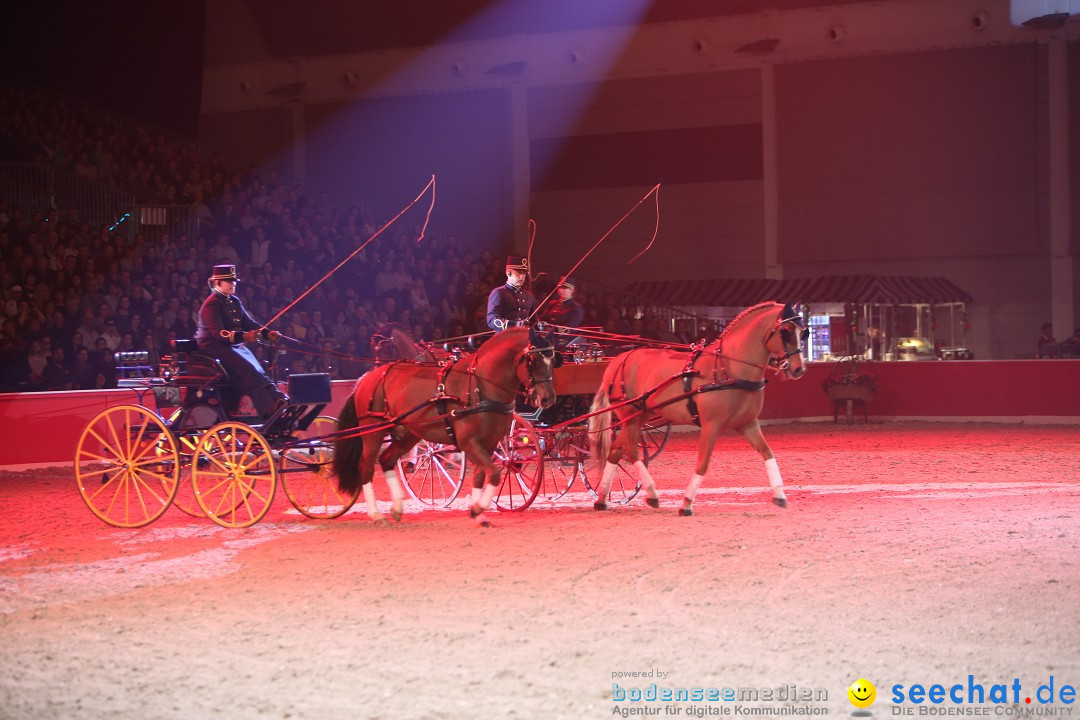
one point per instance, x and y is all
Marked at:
(743, 292)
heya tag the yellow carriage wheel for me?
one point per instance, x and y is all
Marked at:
(234, 475)
(186, 439)
(126, 466)
(306, 473)
(185, 495)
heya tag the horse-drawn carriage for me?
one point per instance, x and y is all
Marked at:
(425, 422)
(544, 455)
(200, 450)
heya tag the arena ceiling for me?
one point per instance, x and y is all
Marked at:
(331, 27)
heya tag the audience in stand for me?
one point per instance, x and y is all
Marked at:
(72, 295)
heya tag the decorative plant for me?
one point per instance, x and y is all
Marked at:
(846, 372)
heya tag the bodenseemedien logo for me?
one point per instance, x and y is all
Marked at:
(700, 700)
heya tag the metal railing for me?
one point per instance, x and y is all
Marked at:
(31, 188)
(42, 187)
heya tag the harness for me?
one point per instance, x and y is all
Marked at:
(689, 373)
(443, 402)
(720, 381)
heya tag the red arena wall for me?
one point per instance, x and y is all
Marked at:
(45, 427)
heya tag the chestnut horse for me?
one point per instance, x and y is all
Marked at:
(467, 403)
(718, 387)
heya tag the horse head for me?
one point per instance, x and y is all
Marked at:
(540, 361)
(784, 343)
(392, 342)
(519, 355)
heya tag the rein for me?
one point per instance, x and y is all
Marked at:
(377, 233)
(467, 406)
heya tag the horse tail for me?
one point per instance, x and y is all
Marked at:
(600, 426)
(348, 450)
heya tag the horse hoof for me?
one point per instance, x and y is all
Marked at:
(485, 523)
(780, 502)
(652, 502)
(396, 514)
(599, 505)
(381, 522)
(686, 512)
(475, 510)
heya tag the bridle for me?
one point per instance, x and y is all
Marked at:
(530, 355)
(790, 334)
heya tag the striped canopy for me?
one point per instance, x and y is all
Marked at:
(743, 292)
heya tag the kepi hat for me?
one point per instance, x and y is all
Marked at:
(516, 262)
(568, 281)
(223, 272)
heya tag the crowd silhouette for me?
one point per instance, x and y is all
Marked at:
(74, 294)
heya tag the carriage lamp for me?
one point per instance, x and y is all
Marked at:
(134, 364)
(132, 358)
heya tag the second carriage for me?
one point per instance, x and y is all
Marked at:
(544, 456)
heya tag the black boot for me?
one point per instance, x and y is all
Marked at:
(268, 400)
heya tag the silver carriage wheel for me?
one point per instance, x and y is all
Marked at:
(433, 473)
(652, 438)
(565, 452)
(519, 456)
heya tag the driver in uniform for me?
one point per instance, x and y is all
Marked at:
(510, 304)
(563, 310)
(224, 325)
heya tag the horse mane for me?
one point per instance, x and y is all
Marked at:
(387, 329)
(500, 338)
(398, 337)
(748, 311)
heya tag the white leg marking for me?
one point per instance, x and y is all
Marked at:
(605, 481)
(646, 479)
(398, 506)
(369, 501)
(394, 484)
(775, 481)
(691, 489)
(484, 502)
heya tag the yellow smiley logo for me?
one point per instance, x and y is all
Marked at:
(861, 693)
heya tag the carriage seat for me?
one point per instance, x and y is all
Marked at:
(193, 368)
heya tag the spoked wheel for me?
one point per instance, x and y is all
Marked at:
(433, 473)
(624, 486)
(653, 438)
(185, 494)
(126, 466)
(306, 476)
(189, 423)
(564, 454)
(519, 457)
(234, 475)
